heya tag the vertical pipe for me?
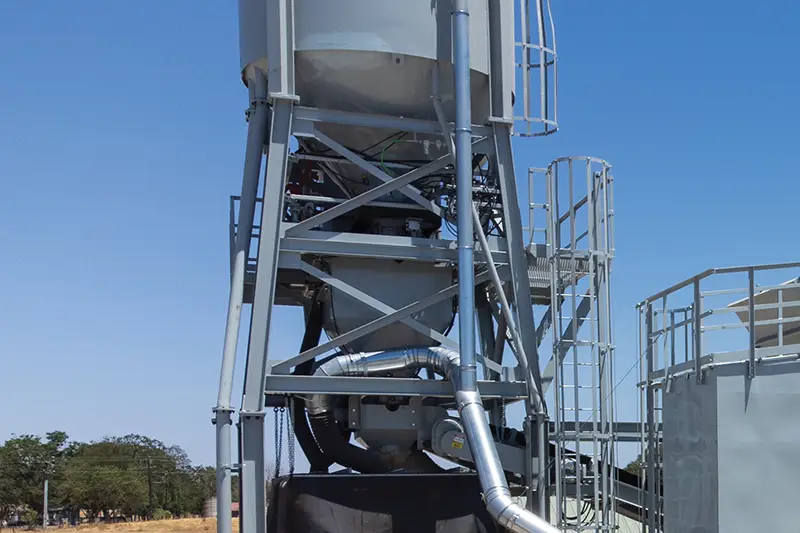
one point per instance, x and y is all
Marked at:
(697, 330)
(551, 240)
(780, 317)
(751, 307)
(595, 345)
(542, 479)
(256, 135)
(525, 58)
(463, 134)
(531, 213)
(672, 338)
(642, 418)
(224, 495)
(685, 335)
(650, 476)
(45, 518)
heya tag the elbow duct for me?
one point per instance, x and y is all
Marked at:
(444, 362)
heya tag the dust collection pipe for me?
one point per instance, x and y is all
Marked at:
(256, 135)
(535, 401)
(468, 400)
(463, 133)
(447, 363)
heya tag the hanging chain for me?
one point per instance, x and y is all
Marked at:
(278, 438)
(290, 435)
(502, 414)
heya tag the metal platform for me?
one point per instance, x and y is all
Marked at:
(292, 282)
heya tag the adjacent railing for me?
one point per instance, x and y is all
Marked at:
(745, 316)
(723, 315)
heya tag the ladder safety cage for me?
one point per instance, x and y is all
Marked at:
(535, 60)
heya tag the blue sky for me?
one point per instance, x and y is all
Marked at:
(122, 136)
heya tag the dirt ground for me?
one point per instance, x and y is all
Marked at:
(184, 525)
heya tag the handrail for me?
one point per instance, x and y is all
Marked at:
(711, 272)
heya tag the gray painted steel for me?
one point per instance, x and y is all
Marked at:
(728, 416)
(410, 281)
(721, 436)
(363, 73)
(256, 134)
(691, 468)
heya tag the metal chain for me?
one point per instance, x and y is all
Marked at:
(278, 439)
(503, 413)
(290, 435)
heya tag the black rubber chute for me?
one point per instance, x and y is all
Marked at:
(317, 460)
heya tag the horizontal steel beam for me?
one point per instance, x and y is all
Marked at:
(291, 384)
(334, 201)
(311, 115)
(379, 246)
(623, 431)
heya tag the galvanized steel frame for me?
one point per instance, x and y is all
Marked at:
(588, 253)
(283, 245)
(668, 324)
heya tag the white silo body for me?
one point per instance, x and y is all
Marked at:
(372, 56)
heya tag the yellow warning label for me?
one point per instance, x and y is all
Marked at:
(458, 442)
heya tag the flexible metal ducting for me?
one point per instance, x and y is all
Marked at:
(386, 364)
(444, 362)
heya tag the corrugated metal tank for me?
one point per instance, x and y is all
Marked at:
(210, 508)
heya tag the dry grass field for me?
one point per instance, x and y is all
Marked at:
(184, 525)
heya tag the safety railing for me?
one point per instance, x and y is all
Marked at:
(723, 315)
(745, 316)
(570, 223)
(536, 87)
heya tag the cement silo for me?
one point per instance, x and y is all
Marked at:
(389, 209)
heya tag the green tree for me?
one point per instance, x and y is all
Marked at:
(131, 475)
(25, 462)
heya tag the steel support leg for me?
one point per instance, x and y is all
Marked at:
(520, 286)
(222, 421)
(486, 331)
(256, 133)
(536, 464)
(253, 502)
(512, 224)
(253, 497)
